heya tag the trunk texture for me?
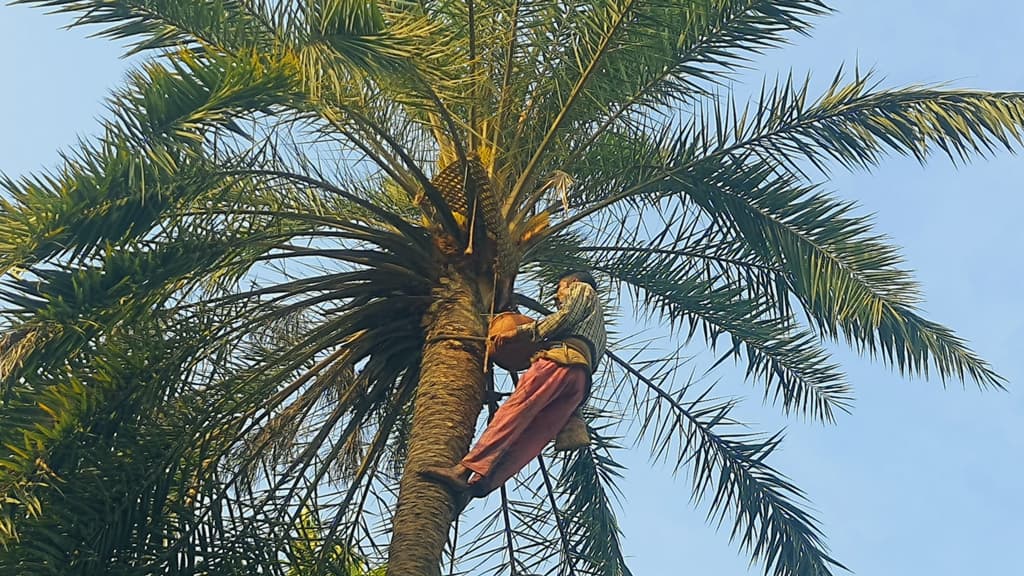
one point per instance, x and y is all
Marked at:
(448, 402)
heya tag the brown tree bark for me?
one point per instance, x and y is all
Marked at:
(448, 402)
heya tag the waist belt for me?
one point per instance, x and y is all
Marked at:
(569, 352)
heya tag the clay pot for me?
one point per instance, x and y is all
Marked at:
(514, 355)
(573, 435)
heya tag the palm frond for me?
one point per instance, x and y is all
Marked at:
(672, 285)
(789, 362)
(847, 278)
(157, 24)
(820, 243)
(729, 469)
(213, 318)
(587, 482)
(182, 99)
(856, 123)
(592, 39)
(674, 51)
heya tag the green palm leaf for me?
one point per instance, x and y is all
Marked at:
(729, 469)
(261, 249)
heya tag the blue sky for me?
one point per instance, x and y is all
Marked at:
(918, 480)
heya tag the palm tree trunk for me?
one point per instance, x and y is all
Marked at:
(448, 402)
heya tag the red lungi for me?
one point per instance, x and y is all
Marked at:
(540, 406)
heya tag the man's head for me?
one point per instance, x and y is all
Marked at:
(568, 279)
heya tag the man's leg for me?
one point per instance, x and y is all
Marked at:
(535, 390)
(544, 426)
(539, 386)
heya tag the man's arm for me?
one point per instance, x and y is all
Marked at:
(578, 304)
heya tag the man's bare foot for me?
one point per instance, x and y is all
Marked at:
(453, 477)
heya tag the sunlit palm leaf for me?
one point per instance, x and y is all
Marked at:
(728, 469)
(262, 199)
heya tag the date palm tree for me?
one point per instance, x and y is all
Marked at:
(274, 271)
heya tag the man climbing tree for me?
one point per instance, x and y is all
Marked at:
(261, 289)
(572, 340)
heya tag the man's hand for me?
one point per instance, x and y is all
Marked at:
(499, 339)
